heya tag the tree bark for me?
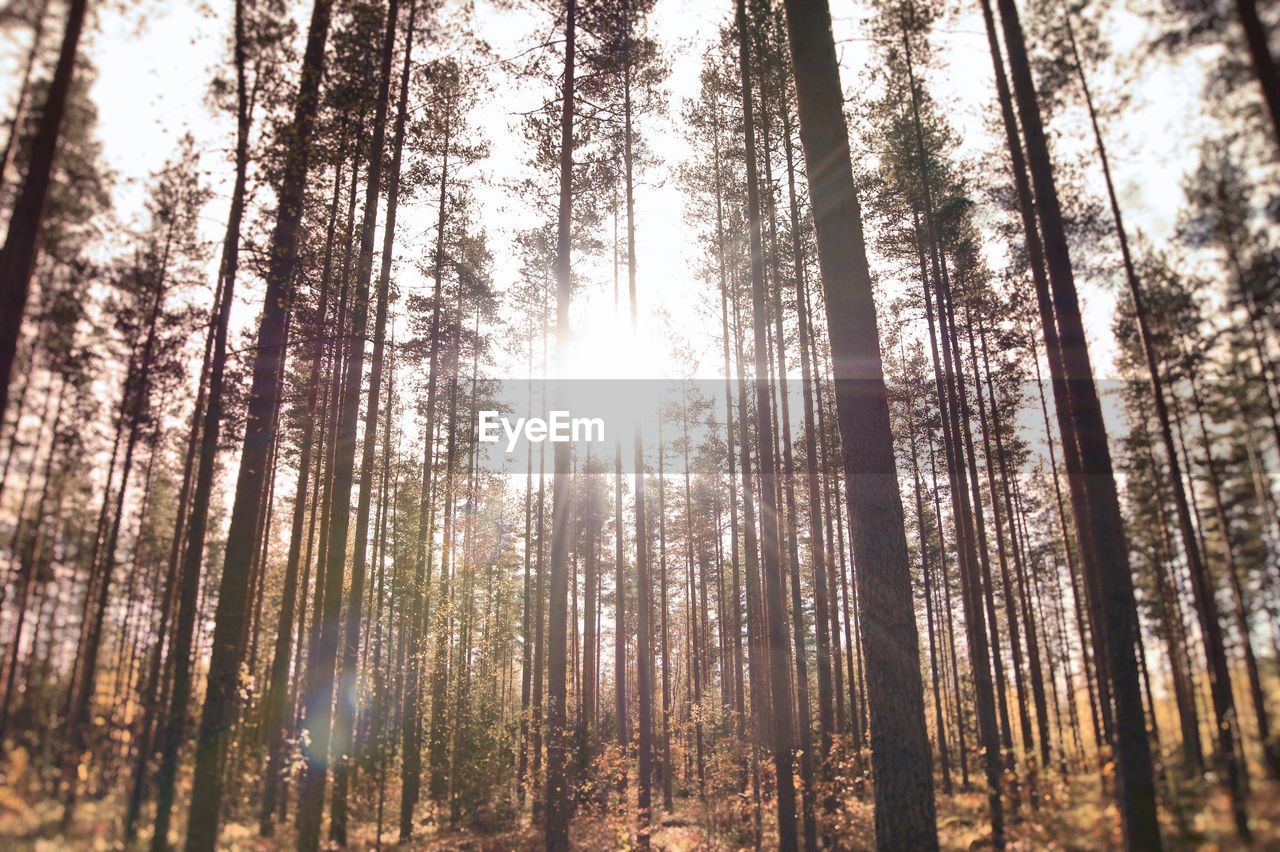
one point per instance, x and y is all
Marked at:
(221, 705)
(1136, 784)
(775, 614)
(556, 793)
(18, 257)
(901, 760)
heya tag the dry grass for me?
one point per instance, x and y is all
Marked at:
(1070, 815)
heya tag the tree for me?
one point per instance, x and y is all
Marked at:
(556, 791)
(1106, 540)
(905, 814)
(221, 699)
(18, 256)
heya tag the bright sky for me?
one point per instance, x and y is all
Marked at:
(155, 61)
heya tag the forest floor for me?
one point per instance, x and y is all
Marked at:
(1069, 816)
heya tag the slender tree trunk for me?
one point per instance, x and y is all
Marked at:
(29, 551)
(153, 704)
(698, 653)
(826, 623)
(992, 714)
(1081, 626)
(1214, 648)
(136, 395)
(526, 663)
(943, 753)
(18, 257)
(1006, 586)
(950, 610)
(175, 726)
(1019, 558)
(1136, 784)
(558, 808)
(275, 713)
(1176, 639)
(221, 703)
(344, 719)
(787, 519)
(644, 586)
(318, 691)
(1240, 607)
(411, 725)
(781, 716)
(587, 696)
(739, 700)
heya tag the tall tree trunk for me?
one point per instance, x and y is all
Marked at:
(174, 731)
(1082, 628)
(221, 704)
(644, 586)
(992, 717)
(1006, 586)
(1020, 560)
(319, 682)
(739, 699)
(664, 619)
(18, 257)
(826, 623)
(775, 614)
(557, 787)
(1240, 607)
(950, 610)
(1175, 637)
(526, 662)
(928, 602)
(136, 394)
(787, 518)
(587, 696)
(698, 650)
(28, 549)
(345, 715)
(1207, 604)
(1136, 787)
(411, 725)
(153, 698)
(901, 760)
(274, 711)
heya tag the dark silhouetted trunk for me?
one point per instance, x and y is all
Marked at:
(775, 611)
(901, 760)
(344, 719)
(557, 785)
(1101, 515)
(221, 705)
(175, 727)
(18, 257)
